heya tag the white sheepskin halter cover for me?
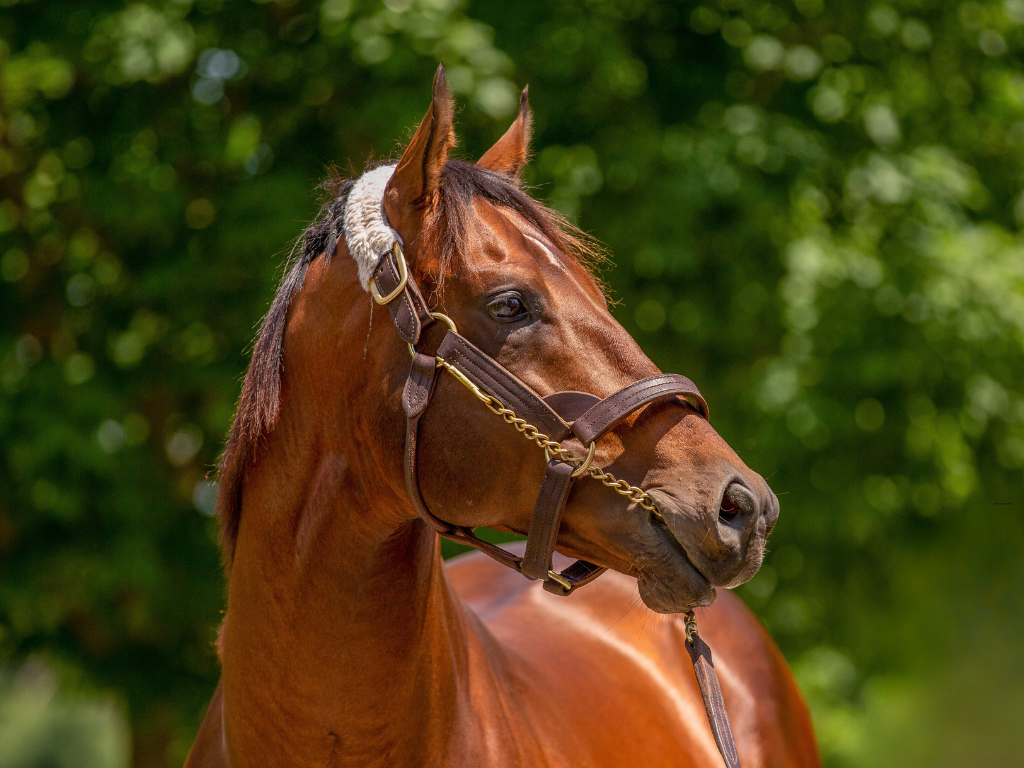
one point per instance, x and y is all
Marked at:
(367, 232)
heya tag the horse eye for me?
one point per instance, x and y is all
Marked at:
(508, 306)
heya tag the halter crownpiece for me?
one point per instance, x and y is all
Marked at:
(367, 232)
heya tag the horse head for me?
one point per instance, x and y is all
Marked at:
(516, 280)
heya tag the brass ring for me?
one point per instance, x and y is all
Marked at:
(586, 464)
(446, 320)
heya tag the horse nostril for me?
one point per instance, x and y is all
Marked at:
(728, 510)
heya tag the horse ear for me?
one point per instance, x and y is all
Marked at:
(510, 153)
(415, 181)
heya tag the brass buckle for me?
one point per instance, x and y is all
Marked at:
(559, 579)
(403, 278)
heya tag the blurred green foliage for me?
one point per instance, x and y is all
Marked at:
(814, 211)
(41, 727)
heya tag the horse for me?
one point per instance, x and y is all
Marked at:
(347, 639)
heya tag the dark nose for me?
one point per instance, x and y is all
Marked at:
(738, 509)
(741, 506)
(747, 512)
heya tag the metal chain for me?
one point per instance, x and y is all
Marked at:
(530, 432)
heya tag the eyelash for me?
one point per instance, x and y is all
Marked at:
(509, 296)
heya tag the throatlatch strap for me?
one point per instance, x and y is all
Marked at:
(714, 704)
(420, 385)
(418, 389)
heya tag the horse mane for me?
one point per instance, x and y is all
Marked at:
(444, 234)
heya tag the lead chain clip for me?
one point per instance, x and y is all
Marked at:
(691, 626)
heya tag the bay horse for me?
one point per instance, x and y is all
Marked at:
(347, 640)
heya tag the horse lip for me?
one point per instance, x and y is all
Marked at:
(673, 539)
(703, 595)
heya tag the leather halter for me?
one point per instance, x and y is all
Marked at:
(554, 417)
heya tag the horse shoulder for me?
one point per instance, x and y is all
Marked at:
(606, 668)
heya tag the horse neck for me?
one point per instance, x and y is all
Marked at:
(342, 626)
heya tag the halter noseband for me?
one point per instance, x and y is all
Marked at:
(546, 421)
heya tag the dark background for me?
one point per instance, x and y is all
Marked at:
(814, 212)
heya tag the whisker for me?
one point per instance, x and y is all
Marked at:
(632, 604)
(647, 614)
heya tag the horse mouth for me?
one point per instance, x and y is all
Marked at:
(668, 580)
